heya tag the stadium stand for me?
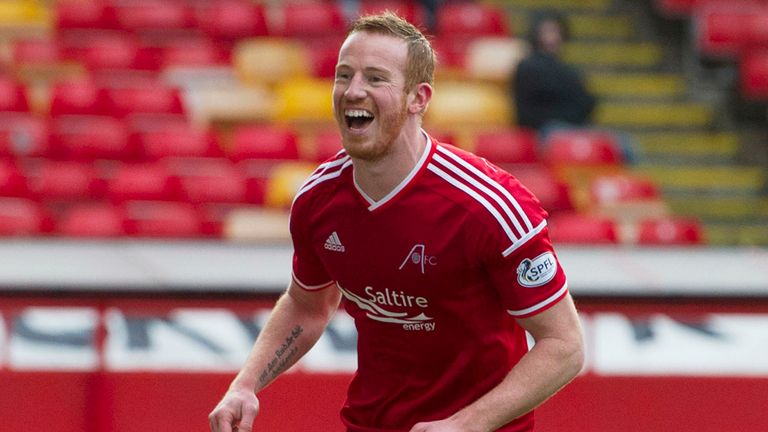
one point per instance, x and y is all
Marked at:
(226, 104)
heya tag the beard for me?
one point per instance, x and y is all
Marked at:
(377, 145)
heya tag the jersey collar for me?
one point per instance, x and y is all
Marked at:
(373, 204)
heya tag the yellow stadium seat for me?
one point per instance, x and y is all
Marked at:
(270, 60)
(494, 59)
(463, 106)
(257, 224)
(305, 102)
(284, 182)
(229, 104)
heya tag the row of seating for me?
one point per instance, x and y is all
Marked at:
(731, 31)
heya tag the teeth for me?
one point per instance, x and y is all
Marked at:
(358, 113)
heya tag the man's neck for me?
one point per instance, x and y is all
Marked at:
(379, 177)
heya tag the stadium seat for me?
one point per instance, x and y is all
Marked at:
(472, 19)
(582, 147)
(256, 173)
(13, 183)
(309, 19)
(451, 54)
(554, 194)
(284, 181)
(108, 50)
(269, 60)
(323, 54)
(207, 180)
(229, 104)
(582, 229)
(676, 8)
(256, 224)
(90, 137)
(494, 59)
(13, 95)
(23, 217)
(670, 231)
(177, 140)
(63, 180)
(325, 144)
(77, 96)
(412, 11)
(461, 106)
(263, 142)
(158, 219)
(507, 146)
(626, 197)
(191, 52)
(153, 15)
(80, 14)
(92, 220)
(723, 28)
(157, 98)
(23, 135)
(232, 19)
(141, 181)
(304, 102)
(753, 75)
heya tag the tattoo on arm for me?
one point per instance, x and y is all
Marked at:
(284, 357)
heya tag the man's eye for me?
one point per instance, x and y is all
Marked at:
(342, 75)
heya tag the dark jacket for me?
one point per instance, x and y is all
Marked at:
(546, 89)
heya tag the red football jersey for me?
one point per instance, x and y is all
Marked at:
(434, 275)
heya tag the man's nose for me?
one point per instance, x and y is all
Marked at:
(356, 89)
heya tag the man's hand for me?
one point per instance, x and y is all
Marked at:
(235, 412)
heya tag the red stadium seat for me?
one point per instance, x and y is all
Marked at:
(157, 219)
(753, 75)
(71, 14)
(724, 28)
(178, 140)
(158, 98)
(198, 51)
(256, 173)
(93, 220)
(611, 189)
(63, 180)
(412, 11)
(325, 145)
(471, 19)
(108, 50)
(323, 55)
(153, 15)
(311, 19)
(13, 95)
(263, 142)
(23, 217)
(208, 180)
(553, 194)
(80, 96)
(13, 183)
(23, 135)
(507, 146)
(582, 147)
(670, 231)
(582, 229)
(676, 8)
(36, 51)
(232, 19)
(452, 50)
(143, 181)
(90, 137)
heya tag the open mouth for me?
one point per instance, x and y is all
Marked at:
(358, 119)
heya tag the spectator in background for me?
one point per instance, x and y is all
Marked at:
(547, 92)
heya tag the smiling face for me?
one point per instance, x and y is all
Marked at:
(370, 101)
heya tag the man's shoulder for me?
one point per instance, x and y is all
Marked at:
(324, 179)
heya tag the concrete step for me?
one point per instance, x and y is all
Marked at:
(723, 179)
(559, 5)
(613, 54)
(725, 209)
(614, 85)
(646, 114)
(693, 145)
(583, 25)
(737, 234)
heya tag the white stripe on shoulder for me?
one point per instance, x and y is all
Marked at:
(541, 305)
(529, 235)
(324, 175)
(493, 195)
(519, 210)
(488, 206)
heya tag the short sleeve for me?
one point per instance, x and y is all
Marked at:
(530, 280)
(308, 270)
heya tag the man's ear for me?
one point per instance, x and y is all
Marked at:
(419, 98)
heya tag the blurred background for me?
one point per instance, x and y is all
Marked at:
(150, 149)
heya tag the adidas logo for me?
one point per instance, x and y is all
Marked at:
(333, 243)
